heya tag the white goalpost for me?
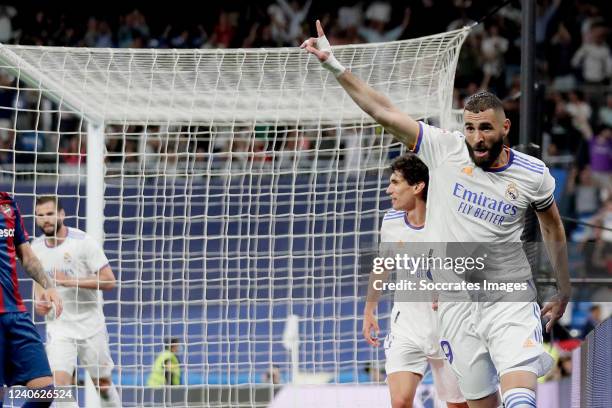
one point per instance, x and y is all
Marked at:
(235, 192)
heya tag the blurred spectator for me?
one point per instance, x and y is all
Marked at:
(133, 30)
(493, 48)
(559, 57)
(166, 368)
(545, 12)
(600, 152)
(604, 219)
(378, 15)
(7, 146)
(564, 136)
(375, 371)
(124, 34)
(349, 17)
(593, 320)
(74, 152)
(604, 115)
(580, 112)
(140, 24)
(91, 35)
(181, 40)
(224, 31)
(594, 58)
(104, 38)
(292, 151)
(295, 16)
(554, 373)
(278, 25)
(200, 36)
(565, 364)
(602, 256)
(586, 199)
(65, 34)
(462, 21)
(588, 16)
(273, 376)
(260, 36)
(7, 13)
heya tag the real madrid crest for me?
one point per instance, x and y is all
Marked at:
(512, 192)
(67, 257)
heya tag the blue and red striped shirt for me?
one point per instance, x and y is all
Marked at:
(12, 234)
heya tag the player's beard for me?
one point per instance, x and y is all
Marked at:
(494, 151)
(53, 232)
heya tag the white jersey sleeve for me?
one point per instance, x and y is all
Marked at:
(543, 197)
(434, 145)
(96, 259)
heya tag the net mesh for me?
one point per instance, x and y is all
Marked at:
(240, 187)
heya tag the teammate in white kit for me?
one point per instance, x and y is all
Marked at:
(414, 339)
(479, 192)
(81, 270)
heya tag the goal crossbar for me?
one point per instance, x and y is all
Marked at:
(208, 86)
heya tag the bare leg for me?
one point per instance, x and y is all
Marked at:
(402, 386)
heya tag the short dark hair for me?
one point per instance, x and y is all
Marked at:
(171, 341)
(482, 101)
(40, 200)
(413, 170)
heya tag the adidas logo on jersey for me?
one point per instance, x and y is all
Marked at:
(469, 170)
(529, 343)
(7, 232)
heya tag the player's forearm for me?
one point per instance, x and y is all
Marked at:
(375, 290)
(380, 108)
(34, 269)
(556, 246)
(89, 282)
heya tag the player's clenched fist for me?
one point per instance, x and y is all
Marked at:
(321, 49)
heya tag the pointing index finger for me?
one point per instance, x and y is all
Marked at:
(320, 32)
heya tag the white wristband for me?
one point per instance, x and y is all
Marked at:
(331, 63)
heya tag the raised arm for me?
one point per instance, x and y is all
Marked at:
(372, 102)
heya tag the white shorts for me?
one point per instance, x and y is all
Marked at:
(404, 354)
(93, 354)
(483, 341)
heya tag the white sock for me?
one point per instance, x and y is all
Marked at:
(112, 399)
(519, 398)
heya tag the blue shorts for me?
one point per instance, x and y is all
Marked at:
(22, 352)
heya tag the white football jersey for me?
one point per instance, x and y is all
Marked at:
(409, 318)
(78, 255)
(469, 204)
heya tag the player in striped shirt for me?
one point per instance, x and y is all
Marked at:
(481, 190)
(22, 354)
